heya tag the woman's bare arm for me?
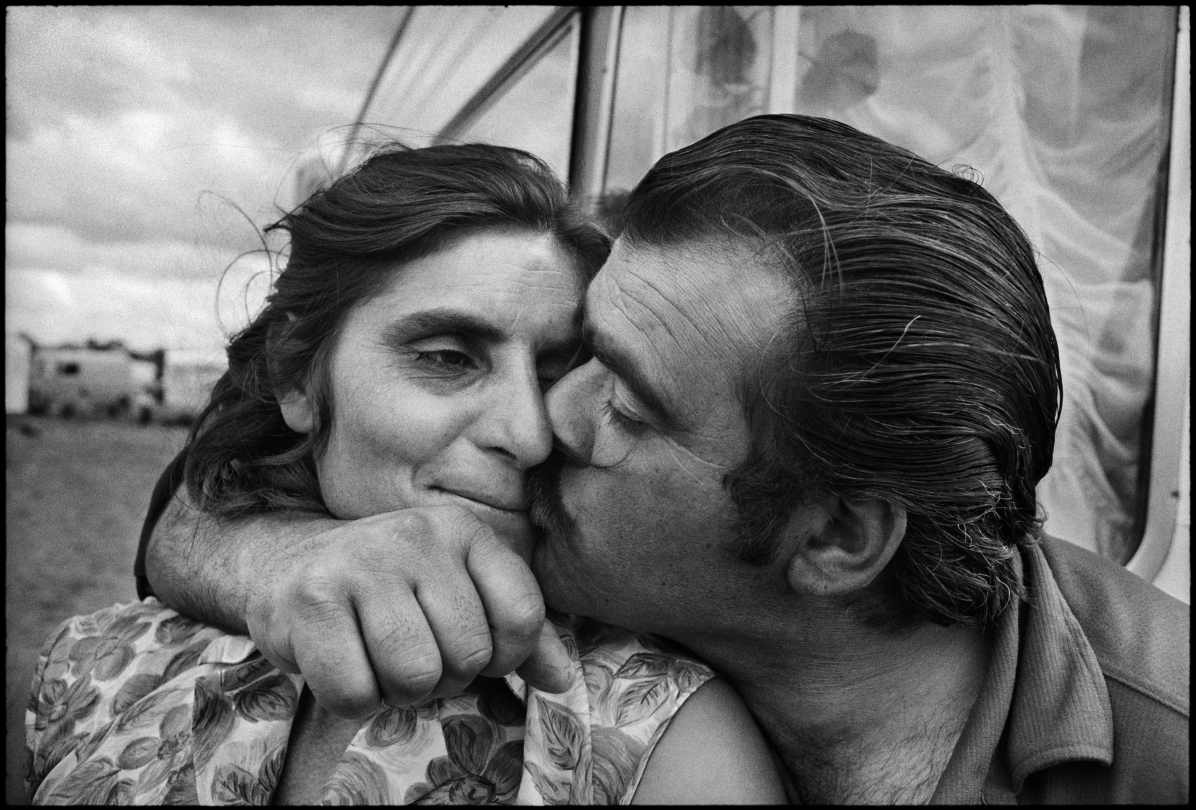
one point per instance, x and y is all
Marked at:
(711, 753)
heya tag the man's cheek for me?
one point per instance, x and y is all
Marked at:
(612, 448)
(685, 464)
(571, 489)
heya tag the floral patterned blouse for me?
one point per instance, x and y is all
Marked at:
(136, 704)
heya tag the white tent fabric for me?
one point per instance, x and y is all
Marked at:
(447, 53)
(1064, 111)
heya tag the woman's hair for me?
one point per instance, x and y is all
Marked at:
(918, 366)
(346, 242)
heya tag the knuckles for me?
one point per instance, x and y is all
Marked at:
(317, 597)
(525, 616)
(368, 559)
(473, 654)
(414, 682)
(403, 544)
(468, 530)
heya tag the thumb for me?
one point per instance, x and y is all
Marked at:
(549, 668)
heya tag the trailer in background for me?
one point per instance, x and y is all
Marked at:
(69, 381)
(18, 358)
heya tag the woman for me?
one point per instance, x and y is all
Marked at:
(429, 299)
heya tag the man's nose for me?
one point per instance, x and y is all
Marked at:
(572, 403)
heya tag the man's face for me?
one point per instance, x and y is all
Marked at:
(639, 525)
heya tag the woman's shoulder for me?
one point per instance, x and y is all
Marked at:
(123, 640)
(634, 685)
(129, 620)
(618, 660)
(665, 729)
(97, 670)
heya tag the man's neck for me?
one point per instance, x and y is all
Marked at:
(858, 716)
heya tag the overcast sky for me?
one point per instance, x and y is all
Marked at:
(126, 130)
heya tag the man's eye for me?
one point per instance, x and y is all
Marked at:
(617, 417)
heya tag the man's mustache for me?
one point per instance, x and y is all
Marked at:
(544, 491)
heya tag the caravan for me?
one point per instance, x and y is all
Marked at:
(70, 381)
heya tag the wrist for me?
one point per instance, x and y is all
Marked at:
(266, 561)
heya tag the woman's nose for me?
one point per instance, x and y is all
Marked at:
(572, 403)
(516, 424)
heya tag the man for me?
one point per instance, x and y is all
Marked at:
(824, 385)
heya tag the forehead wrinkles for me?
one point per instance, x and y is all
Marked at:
(558, 295)
(540, 288)
(706, 307)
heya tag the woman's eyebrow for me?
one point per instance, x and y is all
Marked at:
(440, 321)
(472, 327)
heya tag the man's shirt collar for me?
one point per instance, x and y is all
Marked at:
(1043, 702)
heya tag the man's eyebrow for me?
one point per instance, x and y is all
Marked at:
(629, 372)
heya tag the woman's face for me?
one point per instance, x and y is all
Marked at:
(438, 382)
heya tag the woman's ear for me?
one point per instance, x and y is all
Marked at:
(296, 410)
(847, 547)
(296, 406)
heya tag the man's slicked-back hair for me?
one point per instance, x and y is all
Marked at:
(918, 365)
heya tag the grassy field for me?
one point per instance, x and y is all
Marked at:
(77, 494)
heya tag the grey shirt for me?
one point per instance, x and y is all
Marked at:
(1087, 696)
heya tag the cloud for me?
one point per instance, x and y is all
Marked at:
(121, 119)
(89, 62)
(37, 290)
(138, 175)
(134, 133)
(54, 307)
(157, 292)
(70, 253)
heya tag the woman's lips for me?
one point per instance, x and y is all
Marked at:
(512, 526)
(497, 504)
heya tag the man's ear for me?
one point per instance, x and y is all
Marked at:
(846, 547)
(297, 406)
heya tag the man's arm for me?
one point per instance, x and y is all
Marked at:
(202, 565)
(400, 606)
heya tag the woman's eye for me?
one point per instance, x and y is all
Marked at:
(444, 358)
